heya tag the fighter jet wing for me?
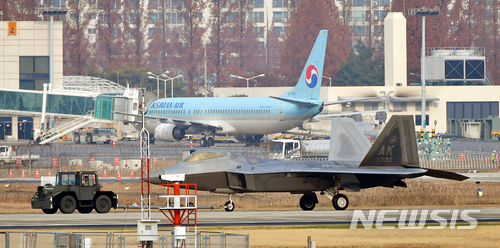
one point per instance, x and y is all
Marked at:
(324, 168)
(177, 122)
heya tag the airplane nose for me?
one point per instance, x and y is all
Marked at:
(155, 176)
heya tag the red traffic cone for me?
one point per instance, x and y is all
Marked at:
(10, 174)
(131, 174)
(105, 174)
(22, 174)
(191, 144)
(37, 175)
(49, 174)
(118, 176)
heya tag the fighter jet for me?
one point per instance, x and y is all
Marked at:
(353, 165)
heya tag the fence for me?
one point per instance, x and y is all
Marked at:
(118, 240)
(464, 163)
(99, 157)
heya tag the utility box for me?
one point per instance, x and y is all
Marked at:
(147, 230)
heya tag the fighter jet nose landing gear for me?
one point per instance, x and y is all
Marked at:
(229, 205)
(340, 202)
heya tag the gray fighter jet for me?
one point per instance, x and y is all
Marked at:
(353, 165)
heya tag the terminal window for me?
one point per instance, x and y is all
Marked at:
(33, 72)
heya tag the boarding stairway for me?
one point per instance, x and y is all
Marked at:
(70, 127)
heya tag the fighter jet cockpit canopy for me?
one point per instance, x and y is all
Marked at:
(204, 155)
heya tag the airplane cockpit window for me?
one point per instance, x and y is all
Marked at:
(204, 155)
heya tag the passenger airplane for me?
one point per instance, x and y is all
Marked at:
(245, 118)
(352, 165)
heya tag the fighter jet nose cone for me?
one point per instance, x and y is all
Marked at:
(155, 176)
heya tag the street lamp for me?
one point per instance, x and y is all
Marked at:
(330, 80)
(423, 12)
(51, 11)
(153, 76)
(172, 84)
(248, 79)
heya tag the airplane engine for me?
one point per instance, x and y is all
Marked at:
(169, 132)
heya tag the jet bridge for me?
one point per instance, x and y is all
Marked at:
(86, 100)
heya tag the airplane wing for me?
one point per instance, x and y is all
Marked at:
(351, 100)
(327, 168)
(350, 113)
(178, 122)
(296, 102)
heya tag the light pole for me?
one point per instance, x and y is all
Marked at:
(172, 83)
(51, 11)
(423, 12)
(248, 79)
(330, 80)
(153, 76)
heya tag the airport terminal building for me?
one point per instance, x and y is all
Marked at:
(24, 64)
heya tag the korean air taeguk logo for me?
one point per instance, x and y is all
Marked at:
(311, 76)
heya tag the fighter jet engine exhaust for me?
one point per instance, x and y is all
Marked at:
(169, 132)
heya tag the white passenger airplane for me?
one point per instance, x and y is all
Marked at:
(245, 118)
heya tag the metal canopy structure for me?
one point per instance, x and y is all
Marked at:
(93, 84)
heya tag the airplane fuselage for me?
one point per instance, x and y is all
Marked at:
(234, 115)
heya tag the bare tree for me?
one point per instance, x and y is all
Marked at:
(110, 36)
(76, 40)
(135, 26)
(219, 46)
(20, 10)
(187, 46)
(160, 36)
(302, 33)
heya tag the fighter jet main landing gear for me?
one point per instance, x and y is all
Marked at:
(339, 201)
(207, 142)
(229, 205)
(308, 201)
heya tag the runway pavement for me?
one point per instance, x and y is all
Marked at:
(123, 218)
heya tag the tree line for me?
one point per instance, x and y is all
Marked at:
(132, 37)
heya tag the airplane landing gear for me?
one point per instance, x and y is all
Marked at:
(207, 142)
(211, 141)
(340, 202)
(308, 201)
(229, 205)
(203, 142)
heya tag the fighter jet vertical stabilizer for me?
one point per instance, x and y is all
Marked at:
(347, 141)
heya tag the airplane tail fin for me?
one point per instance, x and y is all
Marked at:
(347, 141)
(395, 146)
(309, 84)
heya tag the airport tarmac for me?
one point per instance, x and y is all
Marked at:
(122, 218)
